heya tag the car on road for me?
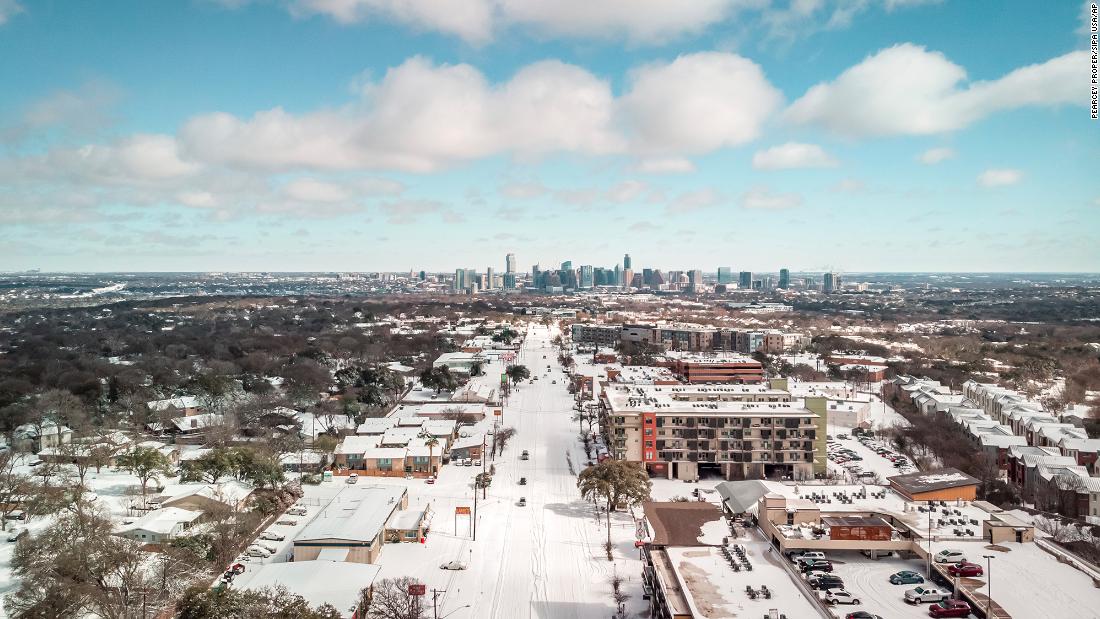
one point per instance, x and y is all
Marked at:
(523, 481)
(524, 455)
(906, 577)
(296, 511)
(921, 595)
(965, 569)
(950, 608)
(453, 565)
(816, 566)
(431, 479)
(861, 614)
(353, 478)
(840, 596)
(275, 537)
(16, 534)
(950, 555)
(523, 501)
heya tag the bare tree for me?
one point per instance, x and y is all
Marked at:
(13, 487)
(390, 599)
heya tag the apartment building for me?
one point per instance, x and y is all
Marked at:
(738, 432)
(598, 334)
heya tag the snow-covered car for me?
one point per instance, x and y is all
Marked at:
(921, 595)
(840, 596)
(296, 511)
(453, 565)
(258, 553)
(16, 534)
(275, 537)
(268, 547)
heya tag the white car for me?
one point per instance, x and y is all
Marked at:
(268, 547)
(259, 553)
(453, 565)
(477, 462)
(296, 511)
(275, 537)
(840, 596)
(950, 555)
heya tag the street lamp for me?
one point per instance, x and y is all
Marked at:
(988, 586)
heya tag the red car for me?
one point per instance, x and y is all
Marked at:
(949, 608)
(965, 569)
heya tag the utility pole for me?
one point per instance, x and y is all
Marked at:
(484, 486)
(989, 586)
(435, 599)
(475, 513)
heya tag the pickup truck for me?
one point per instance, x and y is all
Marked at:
(920, 595)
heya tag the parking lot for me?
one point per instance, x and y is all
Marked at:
(869, 460)
(869, 581)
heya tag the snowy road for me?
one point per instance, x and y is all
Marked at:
(545, 560)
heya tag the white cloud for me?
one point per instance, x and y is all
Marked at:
(792, 155)
(932, 156)
(469, 19)
(907, 90)
(765, 199)
(421, 117)
(995, 177)
(849, 185)
(695, 200)
(665, 165)
(9, 9)
(523, 191)
(698, 103)
(475, 21)
(314, 190)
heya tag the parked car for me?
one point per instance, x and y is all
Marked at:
(906, 577)
(825, 582)
(259, 553)
(287, 523)
(840, 596)
(17, 515)
(921, 595)
(817, 566)
(523, 501)
(268, 547)
(16, 534)
(950, 555)
(524, 455)
(811, 555)
(453, 565)
(275, 537)
(353, 478)
(431, 479)
(296, 511)
(523, 481)
(861, 614)
(965, 569)
(950, 608)
(477, 462)
(467, 462)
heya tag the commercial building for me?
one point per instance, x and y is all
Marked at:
(739, 432)
(784, 278)
(745, 280)
(832, 282)
(353, 524)
(941, 485)
(510, 263)
(725, 275)
(712, 368)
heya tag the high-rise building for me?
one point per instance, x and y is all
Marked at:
(510, 263)
(647, 276)
(831, 282)
(745, 280)
(629, 278)
(460, 279)
(423, 275)
(586, 279)
(657, 278)
(784, 278)
(509, 281)
(489, 278)
(567, 265)
(626, 261)
(695, 278)
(618, 276)
(725, 275)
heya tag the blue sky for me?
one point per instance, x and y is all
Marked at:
(891, 135)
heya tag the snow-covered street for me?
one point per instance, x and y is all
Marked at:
(545, 559)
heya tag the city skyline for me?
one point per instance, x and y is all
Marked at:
(889, 137)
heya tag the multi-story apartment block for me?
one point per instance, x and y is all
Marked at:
(715, 368)
(601, 335)
(739, 432)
